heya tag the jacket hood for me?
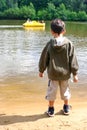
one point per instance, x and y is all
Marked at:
(59, 43)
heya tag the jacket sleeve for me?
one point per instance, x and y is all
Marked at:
(73, 60)
(44, 59)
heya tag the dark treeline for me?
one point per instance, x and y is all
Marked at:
(71, 10)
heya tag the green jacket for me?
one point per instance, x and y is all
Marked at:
(60, 60)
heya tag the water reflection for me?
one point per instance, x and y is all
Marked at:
(77, 29)
(34, 28)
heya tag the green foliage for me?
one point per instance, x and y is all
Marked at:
(42, 14)
(11, 13)
(71, 16)
(39, 4)
(71, 10)
(82, 15)
(2, 5)
(20, 13)
(51, 11)
(62, 12)
(27, 12)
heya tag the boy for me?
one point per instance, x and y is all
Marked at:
(58, 56)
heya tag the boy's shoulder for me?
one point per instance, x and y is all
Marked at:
(67, 40)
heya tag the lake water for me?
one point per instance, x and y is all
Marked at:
(20, 49)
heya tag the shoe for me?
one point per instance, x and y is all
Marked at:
(50, 111)
(66, 109)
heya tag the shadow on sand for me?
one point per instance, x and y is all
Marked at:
(6, 119)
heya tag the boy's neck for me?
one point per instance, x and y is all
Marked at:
(56, 35)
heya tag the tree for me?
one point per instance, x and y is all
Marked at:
(51, 11)
(56, 2)
(44, 9)
(28, 12)
(15, 3)
(2, 5)
(42, 14)
(82, 16)
(40, 4)
(12, 13)
(62, 12)
(78, 5)
(23, 3)
(71, 15)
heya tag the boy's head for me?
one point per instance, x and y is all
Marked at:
(58, 26)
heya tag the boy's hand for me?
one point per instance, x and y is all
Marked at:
(40, 74)
(75, 78)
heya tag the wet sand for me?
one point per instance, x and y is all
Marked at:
(22, 107)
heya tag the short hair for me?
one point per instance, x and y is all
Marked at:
(57, 26)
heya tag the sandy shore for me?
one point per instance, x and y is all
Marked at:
(26, 112)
